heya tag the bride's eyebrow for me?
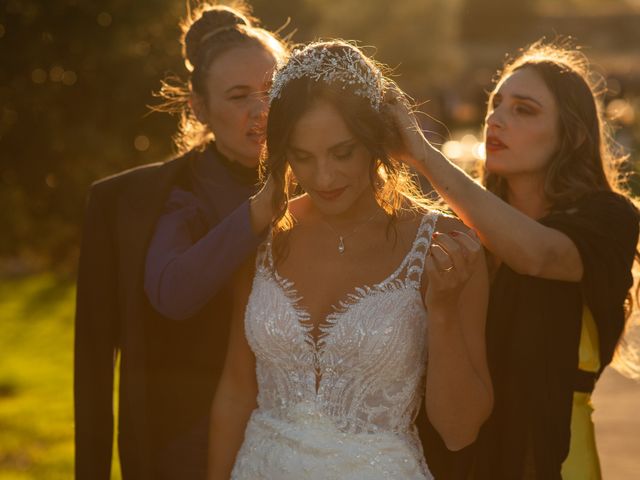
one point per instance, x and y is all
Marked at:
(344, 143)
(336, 146)
(297, 150)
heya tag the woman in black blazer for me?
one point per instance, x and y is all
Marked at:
(138, 226)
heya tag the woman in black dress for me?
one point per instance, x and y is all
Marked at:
(563, 237)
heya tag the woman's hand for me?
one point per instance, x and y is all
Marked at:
(261, 205)
(408, 142)
(449, 265)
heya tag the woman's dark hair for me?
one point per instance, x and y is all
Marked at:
(208, 31)
(586, 159)
(390, 179)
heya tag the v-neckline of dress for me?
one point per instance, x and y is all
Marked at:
(340, 308)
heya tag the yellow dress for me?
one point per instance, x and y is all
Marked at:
(582, 463)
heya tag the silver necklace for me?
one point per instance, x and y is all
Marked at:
(341, 238)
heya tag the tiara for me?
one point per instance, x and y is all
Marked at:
(321, 64)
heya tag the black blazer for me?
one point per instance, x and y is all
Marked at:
(168, 369)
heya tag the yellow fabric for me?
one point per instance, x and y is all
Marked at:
(589, 351)
(582, 463)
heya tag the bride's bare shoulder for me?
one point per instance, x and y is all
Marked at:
(299, 206)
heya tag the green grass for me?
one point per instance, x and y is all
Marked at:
(36, 379)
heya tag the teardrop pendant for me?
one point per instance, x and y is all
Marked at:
(341, 246)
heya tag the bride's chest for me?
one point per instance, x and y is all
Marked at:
(371, 320)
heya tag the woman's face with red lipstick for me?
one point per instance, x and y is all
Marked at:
(329, 163)
(521, 127)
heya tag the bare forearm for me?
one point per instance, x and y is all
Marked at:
(457, 399)
(229, 417)
(520, 241)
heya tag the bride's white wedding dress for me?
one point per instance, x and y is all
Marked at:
(342, 407)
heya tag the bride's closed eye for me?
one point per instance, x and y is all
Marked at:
(345, 154)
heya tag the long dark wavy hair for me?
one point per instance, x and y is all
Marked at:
(587, 158)
(392, 183)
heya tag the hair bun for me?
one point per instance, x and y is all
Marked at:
(214, 18)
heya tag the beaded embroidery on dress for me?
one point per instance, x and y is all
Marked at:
(342, 407)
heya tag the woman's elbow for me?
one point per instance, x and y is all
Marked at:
(167, 305)
(536, 261)
(459, 437)
(455, 443)
(530, 264)
(464, 432)
(170, 310)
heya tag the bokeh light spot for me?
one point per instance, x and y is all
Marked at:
(56, 73)
(479, 151)
(621, 111)
(453, 149)
(69, 77)
(38, 75)
(141, 143)
(51, 180)
(104, 19)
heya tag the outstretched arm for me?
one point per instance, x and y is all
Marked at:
(176, 255)
(518, 240)
(237, 391)
(459, 396)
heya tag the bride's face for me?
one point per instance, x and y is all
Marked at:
(329, 163)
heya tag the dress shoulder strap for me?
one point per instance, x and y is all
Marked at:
(414, 264)
(264, 255)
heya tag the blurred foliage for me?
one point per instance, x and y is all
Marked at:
(36, 379)
(36, 416)
(77, 77)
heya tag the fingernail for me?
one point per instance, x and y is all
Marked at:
(454, 233)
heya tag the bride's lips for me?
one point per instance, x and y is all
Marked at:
(494, 144)
(330, 195)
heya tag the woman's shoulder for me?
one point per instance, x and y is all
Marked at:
(603, 206)
(144, 177)
(610, 200)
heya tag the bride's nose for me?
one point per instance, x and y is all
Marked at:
(325, 174)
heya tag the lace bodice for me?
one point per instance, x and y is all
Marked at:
(365, 371)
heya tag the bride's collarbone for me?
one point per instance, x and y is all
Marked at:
(314, 260)
(373, 247)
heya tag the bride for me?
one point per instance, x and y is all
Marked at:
(359, 301)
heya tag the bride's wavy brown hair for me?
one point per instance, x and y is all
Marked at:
(391, 180)
(587, 158)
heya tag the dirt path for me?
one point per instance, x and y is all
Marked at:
(617, 419)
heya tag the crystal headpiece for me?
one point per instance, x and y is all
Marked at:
(319, 63)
